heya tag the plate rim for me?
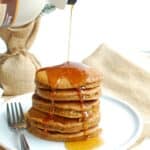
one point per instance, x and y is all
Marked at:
(135, 112)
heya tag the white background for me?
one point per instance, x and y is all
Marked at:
(123, 24)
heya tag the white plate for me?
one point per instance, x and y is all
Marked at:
(120, 122)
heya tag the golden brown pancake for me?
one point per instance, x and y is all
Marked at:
(65, 109)
(69, 95)
(42, 120)
(56, 136)
(71, 105)
(87, 86)
(67, 76)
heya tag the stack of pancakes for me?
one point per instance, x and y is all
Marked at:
(65, 105)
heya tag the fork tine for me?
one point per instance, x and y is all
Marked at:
(21, 112)
(8, 115)
(17, 113)
(16, 120)
(13, 113)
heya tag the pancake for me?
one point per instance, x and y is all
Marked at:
(56, 136)
(63, 112)
(68, 76)
(71, 105)
(64, 109)
(69, 95)
(43, 121)
(86, 86)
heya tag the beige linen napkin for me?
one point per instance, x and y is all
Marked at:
(124, 79)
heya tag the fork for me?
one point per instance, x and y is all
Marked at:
(16, 120)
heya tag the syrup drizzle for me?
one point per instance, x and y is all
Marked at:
(70, 32)
(52, 107)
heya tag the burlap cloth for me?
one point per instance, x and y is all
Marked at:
(17, 64)
(127, 81)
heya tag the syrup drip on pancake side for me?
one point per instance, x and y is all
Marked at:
(52, 107)
(84, 113)
(51, 115)
(45, 121)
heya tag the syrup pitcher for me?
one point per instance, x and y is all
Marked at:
(19, 23)
(14, 13)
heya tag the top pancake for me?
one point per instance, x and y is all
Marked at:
(67, 76)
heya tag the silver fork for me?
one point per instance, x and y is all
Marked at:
(16, 120)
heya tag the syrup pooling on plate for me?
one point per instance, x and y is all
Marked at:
(89, 144)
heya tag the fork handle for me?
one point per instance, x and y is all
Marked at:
(24, 143)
